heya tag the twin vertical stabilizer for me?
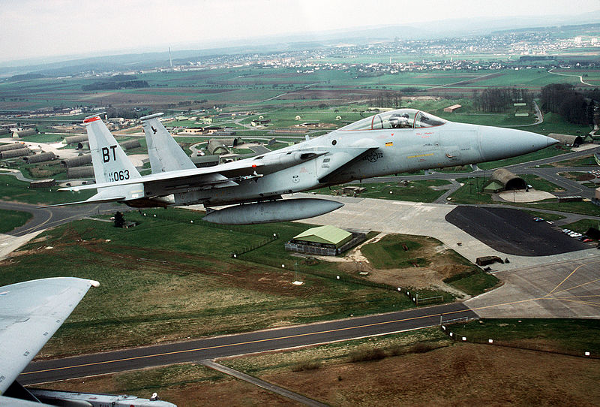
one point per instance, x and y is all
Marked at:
(111, 164)
(164, 152)
(108, 158)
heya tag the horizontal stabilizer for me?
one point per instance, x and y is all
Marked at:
(94, 199)
(198, 176)
(110, 194)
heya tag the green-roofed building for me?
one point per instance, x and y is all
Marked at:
(322, 240)
(494, 186)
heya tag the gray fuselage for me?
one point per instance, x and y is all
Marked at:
(347, 155)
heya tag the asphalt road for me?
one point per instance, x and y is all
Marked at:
(47, 217)
(246, 343)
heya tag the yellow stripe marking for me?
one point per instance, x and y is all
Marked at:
(337, 329)
(577, 286)
(242, 343)
(566, 278)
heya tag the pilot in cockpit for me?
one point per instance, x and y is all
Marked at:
(400, 122)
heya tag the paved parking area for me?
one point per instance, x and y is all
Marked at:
(565, 285)
(513, 231)
(569, 289)
(415, 218)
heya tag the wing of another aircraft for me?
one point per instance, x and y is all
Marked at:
(30, 313)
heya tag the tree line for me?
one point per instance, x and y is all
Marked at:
(387, 99)
(115, 85)
(574, 106)
(495, 100)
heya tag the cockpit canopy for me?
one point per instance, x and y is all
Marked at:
(396, 119)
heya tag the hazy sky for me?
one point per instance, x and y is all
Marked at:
(42, 28)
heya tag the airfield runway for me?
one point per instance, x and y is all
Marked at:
(48, 217)
(245, 343)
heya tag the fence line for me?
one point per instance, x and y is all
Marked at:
(247, 249)
(492, 342)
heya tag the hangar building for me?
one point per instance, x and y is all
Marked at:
(567, 139)
(508, 180)
(80, 172)
(323, 240)
(78, 161)
(39, 158)
(216, 147)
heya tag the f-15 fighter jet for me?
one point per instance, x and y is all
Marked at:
(386, 143)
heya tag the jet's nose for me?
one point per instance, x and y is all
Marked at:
(497, 143)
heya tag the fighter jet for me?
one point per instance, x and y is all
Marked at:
(383, 144)
(31, 312)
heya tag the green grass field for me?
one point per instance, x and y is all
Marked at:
(547, 216)
(43, 138)
(169, 279)
(553, 123)
(584, 208)
(579, 162)
(415, 191)
(405, 251)
(263, 87)
(574, 336)
(470, 193)
(473, 283)
(583, 225)
(12, 219)
(393, 252)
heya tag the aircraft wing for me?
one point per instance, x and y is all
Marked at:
(30, 313)
(208, 176)
(216, 176)
(9, 401)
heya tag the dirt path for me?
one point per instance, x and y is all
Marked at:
(430, 277)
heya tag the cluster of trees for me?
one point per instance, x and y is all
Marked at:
(387, 99)
(126, 113)
(25, 77)
(572, 105)
(116, 82)
(114, 85)
(501, 99)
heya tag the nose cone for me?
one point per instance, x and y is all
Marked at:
(498, 143)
